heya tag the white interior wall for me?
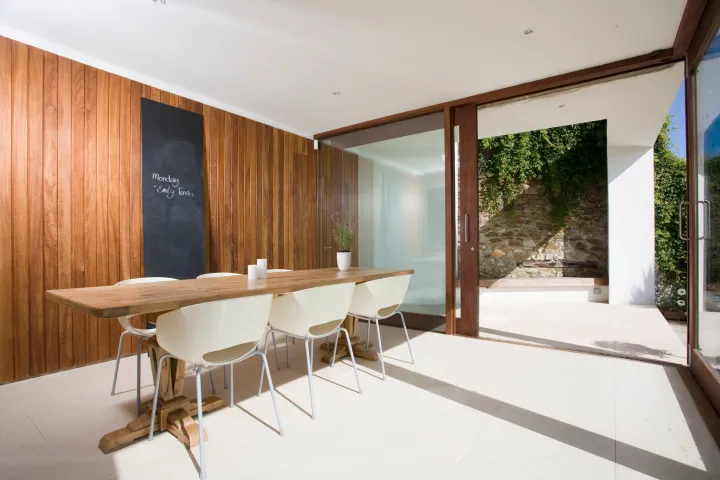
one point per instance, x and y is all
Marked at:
(631, 225)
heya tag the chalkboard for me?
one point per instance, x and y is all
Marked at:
(172, 191)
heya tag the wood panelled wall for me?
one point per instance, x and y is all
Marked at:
(338, 195)
(70, 201)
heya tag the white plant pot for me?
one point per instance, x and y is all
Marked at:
(343, 260)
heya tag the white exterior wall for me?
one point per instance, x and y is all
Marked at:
(631, 225)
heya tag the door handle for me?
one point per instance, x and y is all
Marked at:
(466, 227)
(680, 220)
(706, 219)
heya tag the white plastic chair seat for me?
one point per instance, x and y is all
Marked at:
(125, 321)
(214, 333)
(311, 313)
(218, 274)
(379, 298)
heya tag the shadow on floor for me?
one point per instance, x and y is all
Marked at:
(632, 457)
(633, 351)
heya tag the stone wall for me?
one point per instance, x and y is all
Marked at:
(522, 240)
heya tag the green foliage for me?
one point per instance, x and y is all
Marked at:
(670, 249)
(343, 233)
(567, 159)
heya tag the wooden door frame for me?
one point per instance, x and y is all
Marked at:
(468, 322)
(450, 220)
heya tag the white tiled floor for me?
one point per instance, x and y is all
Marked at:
(469, 409)
(623, 330)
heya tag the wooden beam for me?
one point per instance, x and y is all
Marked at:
(450, 230)
(704, 33)
(565, 80)
(688, 24)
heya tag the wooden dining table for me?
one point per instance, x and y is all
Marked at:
(175, 411)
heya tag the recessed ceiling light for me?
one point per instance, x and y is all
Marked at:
(161, 2)
(336, 93)
(528, 31)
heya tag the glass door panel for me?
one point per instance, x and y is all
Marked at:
(708, 191)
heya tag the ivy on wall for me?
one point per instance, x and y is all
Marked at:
(670, 249)
(567, 159)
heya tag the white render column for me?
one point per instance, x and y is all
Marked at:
(631, 225)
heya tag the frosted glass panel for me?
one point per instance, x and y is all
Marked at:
(390, 182)
(401, 224)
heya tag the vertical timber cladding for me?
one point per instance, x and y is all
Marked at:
(75, 139)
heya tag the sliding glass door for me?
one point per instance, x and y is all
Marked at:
(707, 145)
(388, 183)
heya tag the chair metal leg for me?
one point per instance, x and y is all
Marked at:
(312, 351)
(382, 360)
(212, 381)
(225, 377)
(369, 326)
(232, 385)
(407, 337)
(155, 395)
(309, 367)
(277, 360)
(198, 387)
(117, 361)
(137, 390)
(272, 393)
(352, 357)
(287, 350)
(262, 370)
(337, 338)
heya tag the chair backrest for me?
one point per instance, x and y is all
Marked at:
(125, 321)
(276, 270)
(218, 274)
(379, 298)
(314, 311)
(205, 334)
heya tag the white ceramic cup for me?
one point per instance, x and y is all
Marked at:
(262, 267)
(252, 272)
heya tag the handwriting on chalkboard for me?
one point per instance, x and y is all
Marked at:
(172, 187)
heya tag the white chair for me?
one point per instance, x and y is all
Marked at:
(212, 334)
(141, 333)
(380, 299)
(280, 270)
(216, 275)
(309, 314)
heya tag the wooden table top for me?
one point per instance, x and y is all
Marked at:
(121, 300)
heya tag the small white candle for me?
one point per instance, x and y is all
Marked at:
(252, 272)
(262, 267)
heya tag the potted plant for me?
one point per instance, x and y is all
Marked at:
(344, 235)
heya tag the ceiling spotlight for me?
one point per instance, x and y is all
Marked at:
(528, 31)
(159, 2)
(336, 93)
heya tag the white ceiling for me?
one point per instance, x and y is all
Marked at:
(634, 107)
(278, 61)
